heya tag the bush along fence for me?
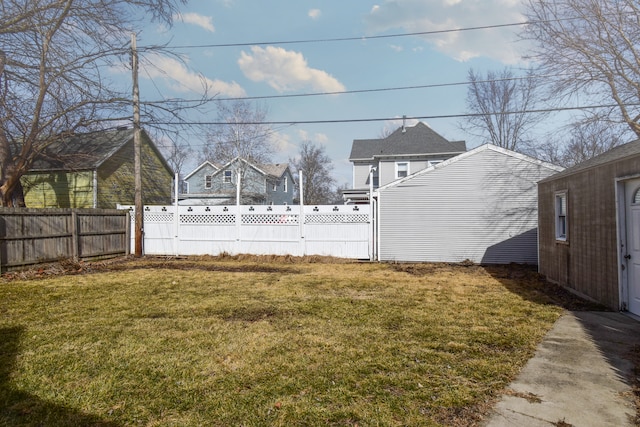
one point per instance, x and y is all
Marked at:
(36, 236)
(344, 231)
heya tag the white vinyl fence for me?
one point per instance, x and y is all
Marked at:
(344, 231)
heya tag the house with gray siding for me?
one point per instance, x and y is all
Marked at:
(261, 184)
(409, 149)
(589, 225)
(479, 206)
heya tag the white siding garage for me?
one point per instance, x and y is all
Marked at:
(479, 206)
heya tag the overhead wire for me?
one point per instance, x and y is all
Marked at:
(357, 91)
(343, 39)
(383, 119)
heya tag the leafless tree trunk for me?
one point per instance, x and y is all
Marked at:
(499, 105)
(52, 73)
(590, 49)
(318, 185)
(241, 133)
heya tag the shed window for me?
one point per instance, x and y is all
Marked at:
(207, 181)
(561, 216)
(227, 177)
(402, 169)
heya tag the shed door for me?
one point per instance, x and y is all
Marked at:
(632, 193)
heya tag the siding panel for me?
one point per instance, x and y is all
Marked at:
(482, 208)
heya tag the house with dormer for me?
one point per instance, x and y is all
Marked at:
(409, 149)
(260, 184)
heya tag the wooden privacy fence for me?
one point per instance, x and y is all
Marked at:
(34, 236)
(343, 231)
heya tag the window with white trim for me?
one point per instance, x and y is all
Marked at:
(226, 177)
(284, 184)
(207, 181)
(402, 169)
(561, 215)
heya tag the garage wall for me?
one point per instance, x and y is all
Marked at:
(479, 206)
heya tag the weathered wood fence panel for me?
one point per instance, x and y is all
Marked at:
(34, 236)
(341, 231)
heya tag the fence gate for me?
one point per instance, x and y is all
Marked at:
(342, 231)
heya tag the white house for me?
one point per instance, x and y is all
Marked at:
(479, 206)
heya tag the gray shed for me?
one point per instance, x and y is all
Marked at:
(479, 206)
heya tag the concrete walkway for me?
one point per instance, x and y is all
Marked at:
(579, 376)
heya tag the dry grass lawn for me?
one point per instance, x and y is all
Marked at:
(264, 342)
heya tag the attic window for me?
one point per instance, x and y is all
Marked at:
(226, 178)
(207, 181)
(402, 169)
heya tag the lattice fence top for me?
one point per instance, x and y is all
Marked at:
(213, 219)
(283, 219)
(336, 218)
(157, 216)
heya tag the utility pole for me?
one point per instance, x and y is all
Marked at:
(137, 150)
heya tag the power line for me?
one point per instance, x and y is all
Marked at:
(350, 92)
(344, 39)
(434, 117)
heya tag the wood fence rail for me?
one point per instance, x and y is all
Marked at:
(35, 236)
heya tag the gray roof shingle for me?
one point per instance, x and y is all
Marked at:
(418, 139)
(82, 152)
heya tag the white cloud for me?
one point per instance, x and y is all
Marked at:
(284, 146)
(421, 16)
(285, 70)
(181, 79)
(202, 21)
(320, 138)
(315, 14)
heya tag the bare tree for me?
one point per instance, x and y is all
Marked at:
(241, 133)
(53, 79)
(176, 153)
(590, 49)
(588, 138)
(499, 105)
(318, 185)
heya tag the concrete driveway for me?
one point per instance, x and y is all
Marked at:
(580, 376)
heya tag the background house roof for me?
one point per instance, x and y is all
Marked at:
(275, 170)
(87, 151)
(212, 165)
(629, 149)
(415, 140)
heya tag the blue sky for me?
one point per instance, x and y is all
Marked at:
(362, 64)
